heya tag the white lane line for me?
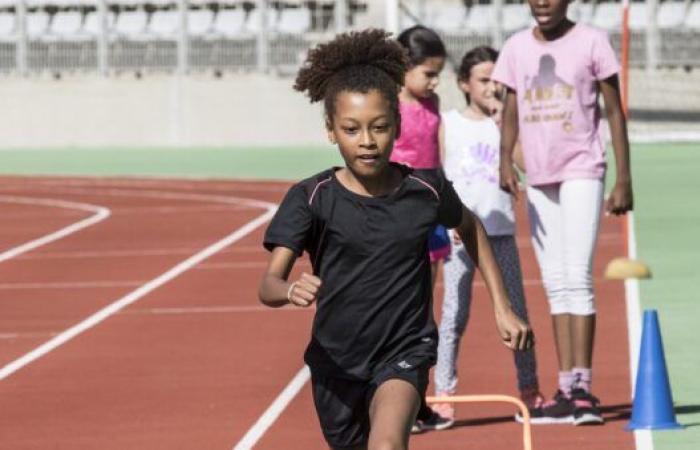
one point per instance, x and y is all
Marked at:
(642, 438)
(135, 295)
(101, 213)
(79, 254)
(275, 409)
(213, 310)
(69, 285)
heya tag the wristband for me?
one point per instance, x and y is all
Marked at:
(289, 291)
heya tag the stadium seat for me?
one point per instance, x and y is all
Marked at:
(516, 16)
(66, 24)
(608, 16)
(37, 24)
(253, 22)
(692, 19)
(294, 20)
(200, 21)
(670, 15)
(92, 26)
(481, 19)
(229, 22)
(131, 24)
(164, 24)
(7, 26)
(449, 18)
(638, 16)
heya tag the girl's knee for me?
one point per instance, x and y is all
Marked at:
(387, 444)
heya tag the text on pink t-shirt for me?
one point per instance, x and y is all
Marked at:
(557, 94)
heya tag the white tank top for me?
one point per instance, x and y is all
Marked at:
(471, 163)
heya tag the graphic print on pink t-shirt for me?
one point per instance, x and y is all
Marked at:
(556, 85)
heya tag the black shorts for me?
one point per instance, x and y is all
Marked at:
(342, 405)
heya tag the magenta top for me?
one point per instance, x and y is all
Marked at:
(417, 146)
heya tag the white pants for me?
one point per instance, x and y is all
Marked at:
(564, 221)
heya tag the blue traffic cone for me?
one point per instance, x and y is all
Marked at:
(652, 408)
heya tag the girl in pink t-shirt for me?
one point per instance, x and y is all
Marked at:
(554, 74)
(418, 145)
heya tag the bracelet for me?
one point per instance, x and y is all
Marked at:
(289, 291)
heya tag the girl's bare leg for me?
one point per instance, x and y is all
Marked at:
(392, 413)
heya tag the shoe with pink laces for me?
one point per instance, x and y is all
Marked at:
(446, 410)
(558, 410)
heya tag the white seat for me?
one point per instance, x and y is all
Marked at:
(692, 19)
(131, 23)
(229, 22)
(37, 24)
(638, 16)
(481, 18)
(581, 12)
(66, 23)
(7, 25)
(92, 25)
(449, 18)
(608, 16)
(516, 16)
(670, 15)
(294, 20)
(164, 23)
(200, 21)
(253, 22)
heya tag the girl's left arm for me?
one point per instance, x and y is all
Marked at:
(621, 199)
(516, 334)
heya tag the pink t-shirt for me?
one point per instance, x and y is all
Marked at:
(417, 146)
(557, 94)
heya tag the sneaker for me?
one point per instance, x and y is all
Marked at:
(586, 411)
(558, 410)
(532, 397)
(445, 410)
(433, 422)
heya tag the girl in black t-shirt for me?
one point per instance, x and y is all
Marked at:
(365, 227)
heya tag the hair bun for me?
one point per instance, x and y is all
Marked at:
(351, 51)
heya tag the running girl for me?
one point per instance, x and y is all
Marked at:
(365, 227)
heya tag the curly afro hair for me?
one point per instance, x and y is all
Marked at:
(358, 61)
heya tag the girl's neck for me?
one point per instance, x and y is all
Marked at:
(406, 96)
(475, 112)
(561, 29)
(385, 183)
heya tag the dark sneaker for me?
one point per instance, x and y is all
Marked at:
(558, 410)
(433, 422)
(586, 411)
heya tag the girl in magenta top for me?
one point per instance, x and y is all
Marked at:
(554, 74)
(418, 145)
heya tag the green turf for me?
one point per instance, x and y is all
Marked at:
(260, 163)
(667, 213)
(666, 182)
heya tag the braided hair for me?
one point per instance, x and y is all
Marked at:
(359, 61)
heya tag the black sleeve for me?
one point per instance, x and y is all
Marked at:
(450, 207)
(291, 225)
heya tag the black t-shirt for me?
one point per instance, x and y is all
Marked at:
(371, 253)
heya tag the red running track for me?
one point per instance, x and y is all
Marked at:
(193, 363)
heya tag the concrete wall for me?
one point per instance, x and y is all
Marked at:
(241, 110)
(156, 111)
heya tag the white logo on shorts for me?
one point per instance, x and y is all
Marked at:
(404, 365)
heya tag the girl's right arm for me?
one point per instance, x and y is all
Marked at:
(276, 291)
(509, 135)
